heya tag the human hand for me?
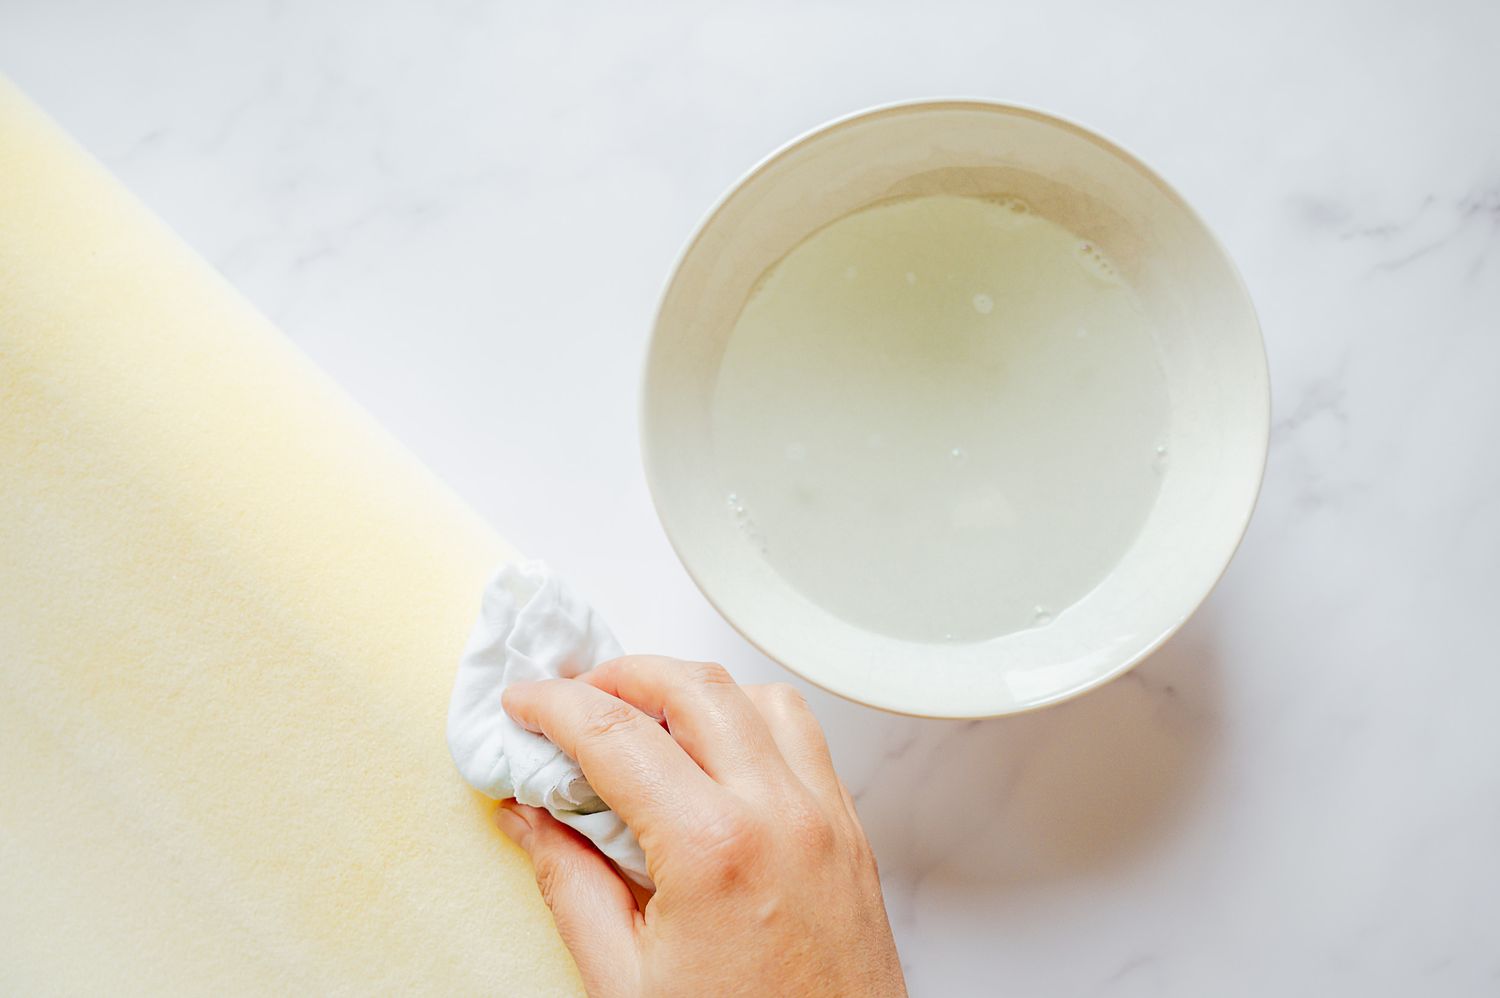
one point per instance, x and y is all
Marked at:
(765, 884)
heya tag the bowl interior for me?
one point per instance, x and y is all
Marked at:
(1210, 350)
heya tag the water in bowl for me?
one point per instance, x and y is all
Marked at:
(942, 418)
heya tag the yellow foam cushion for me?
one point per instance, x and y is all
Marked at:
(230, 612)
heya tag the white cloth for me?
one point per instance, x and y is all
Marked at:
(532, 625)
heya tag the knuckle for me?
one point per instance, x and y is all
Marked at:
(608, 719)
(710, 674)
(811, 830)
(786, 696)
(732, 842)
(549, 877)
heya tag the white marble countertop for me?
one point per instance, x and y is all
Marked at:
(465, 212)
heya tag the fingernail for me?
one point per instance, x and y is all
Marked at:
(515, 827)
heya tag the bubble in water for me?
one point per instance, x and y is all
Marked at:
(851, 272)
(911, 278)
(1160, 463)
(1015, 204)
(983, 304)
(1081, 333)
(1042, 615)
(734, 499)
(958, 454)
(750, 531)
(796, 452)
(948, 637)
(1095, 262)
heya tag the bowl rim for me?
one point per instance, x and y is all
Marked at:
(927, 104)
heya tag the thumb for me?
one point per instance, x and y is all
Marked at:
(591, 903)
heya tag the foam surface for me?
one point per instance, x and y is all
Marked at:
(230, 612)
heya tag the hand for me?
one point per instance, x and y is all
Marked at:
(765, 884)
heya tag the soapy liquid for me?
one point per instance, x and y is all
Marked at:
(942, 418)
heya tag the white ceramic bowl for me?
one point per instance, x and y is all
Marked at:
(1211, 351)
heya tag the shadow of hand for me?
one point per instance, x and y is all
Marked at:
(1067, 791)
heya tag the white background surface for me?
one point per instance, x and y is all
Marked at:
(465, 212)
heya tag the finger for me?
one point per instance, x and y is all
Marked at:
(595, 912)
(798, 736)
(629, 759)
(705, 710)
